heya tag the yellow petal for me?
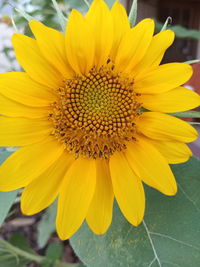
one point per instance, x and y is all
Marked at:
(151, 166)
(164, 127)
(174, 152)
(75, 196)
(28, 163)
(100, 20)
(43, 190)
(21, 131)
(121, 26)
(134, 45)
(159, 44)
(14, 109)
(79, 43)
(99, 216)
(128, 189)
(19, 87)
(163, 78)
(32, 61)
(52, 45)
(176, 100)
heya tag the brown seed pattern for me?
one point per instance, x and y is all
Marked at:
(94, 114)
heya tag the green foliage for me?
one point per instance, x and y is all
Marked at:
(9, 256)
(133, 13)
(186, 114)
(46, 226)
(17, 252)
(180, 31)
(169, 235)
(167, 22)
(54, 251)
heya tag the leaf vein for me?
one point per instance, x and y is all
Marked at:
(154, 259)
(176, 240)
(186, 195)
(152, 244)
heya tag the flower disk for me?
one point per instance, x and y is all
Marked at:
(95, 113)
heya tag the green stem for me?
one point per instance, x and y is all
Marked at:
(87, 3)
(36, 258)
(22, 253)
(133, 13)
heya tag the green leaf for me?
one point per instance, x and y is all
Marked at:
(4, 155)
(133, 13)
(180, 31)
(14, 24)
(10, 259)
(62, 20)
(6, 198)
(46, 226)
(168, 21)
(6, 201)
(76, 4)
(186, 114)
(20, 241)
(87, 3)
(54, 251)
(169, 235)
(24, 14)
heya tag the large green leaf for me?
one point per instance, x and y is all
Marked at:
(6, 198)
(169, 235)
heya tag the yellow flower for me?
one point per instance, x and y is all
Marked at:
(76, 113)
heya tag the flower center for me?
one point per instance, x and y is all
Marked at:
(94, 113)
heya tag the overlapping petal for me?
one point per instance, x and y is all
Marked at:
(14, 109)
(80, 44)
(19, 87)
(75, 196)
(121, 25)
(43, 190)
(151, 166)
(99, 215)
(127, 188)
(155, 52)
(134, 45)
(164, 127)
(176, 100)
(163, 78)
(174, 152)
(52, 45)
(28, 163)
(100, 21)
(21, 131)
(32, 61)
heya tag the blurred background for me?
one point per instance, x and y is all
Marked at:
(36, 234)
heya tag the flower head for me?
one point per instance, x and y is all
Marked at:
(89, 116)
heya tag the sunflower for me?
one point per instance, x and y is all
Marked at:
(89, 117)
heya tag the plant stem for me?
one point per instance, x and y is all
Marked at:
(21, 252)
(87, 3)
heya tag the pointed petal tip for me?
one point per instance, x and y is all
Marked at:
(171, 191)
(63, 233)
(137, 220)
(100, 231)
